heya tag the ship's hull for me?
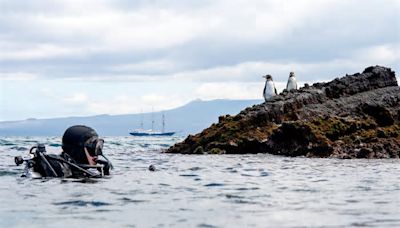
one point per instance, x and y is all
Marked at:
(152, 133)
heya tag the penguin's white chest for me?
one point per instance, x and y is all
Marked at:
(269, 90)
(292, 84)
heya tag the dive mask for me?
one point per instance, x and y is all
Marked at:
(94, 146)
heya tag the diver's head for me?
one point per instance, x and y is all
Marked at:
(83, 144)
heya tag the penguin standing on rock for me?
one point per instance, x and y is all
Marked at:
(269, 88)
(291, 84)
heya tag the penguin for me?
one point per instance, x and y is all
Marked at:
(269, 88)
(291, 84)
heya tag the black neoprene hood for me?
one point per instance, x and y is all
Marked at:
(73, 141)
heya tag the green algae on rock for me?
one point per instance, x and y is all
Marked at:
(356, 116)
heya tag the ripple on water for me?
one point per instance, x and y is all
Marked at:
(249, 170)
(205, 225)
(243, 201)
(126, 200)
(247, 175)
(195, 168)
(247, 189)
(19, 148)
(4, 142)
(231, 170)
(214, 185)
(320, 180)
(9, 173)
(188, 175)
(82, 203)
(55, 144)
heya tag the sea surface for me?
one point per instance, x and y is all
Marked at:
(257, 190)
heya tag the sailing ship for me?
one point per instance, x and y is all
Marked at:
(151, 132)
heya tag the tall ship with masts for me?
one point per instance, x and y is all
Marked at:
(151, 132)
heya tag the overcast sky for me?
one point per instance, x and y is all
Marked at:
(78, 58)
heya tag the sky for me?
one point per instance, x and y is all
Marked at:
(92, 57)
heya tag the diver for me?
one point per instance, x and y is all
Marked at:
(80, 157)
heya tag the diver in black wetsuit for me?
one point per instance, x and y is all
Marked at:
(80, 156)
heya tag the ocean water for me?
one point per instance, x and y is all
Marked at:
(258, 190)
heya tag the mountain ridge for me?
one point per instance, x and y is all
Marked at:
(187, 119)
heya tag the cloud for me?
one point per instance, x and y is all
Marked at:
(209, 91)
(80, 39)
(124, 104)
(380, 54)
(40, 51)
(77, 99)
(17, 76)
(152, 67)
(220, 47)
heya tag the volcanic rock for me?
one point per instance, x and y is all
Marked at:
(356, 116)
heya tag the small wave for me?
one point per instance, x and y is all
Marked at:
(204, 225)
(304, 190)
(31, 141)
(214, 185)
(249, 170)
(114, 143)
(81, 203)
(145, 145)
(195, 168)
(6, 143)
(231, 170)
(230, 196)
(163, 145)
(19, 148)
(82, 180)
(320, 180)
(8, 173)
(381, 202)
(55, 144)
(247, 189)
(352, 201)
(189, 175)
(241, 201)
(129, 200)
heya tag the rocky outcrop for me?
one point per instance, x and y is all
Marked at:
(356, 116)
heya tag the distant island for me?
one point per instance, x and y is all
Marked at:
(356, 116)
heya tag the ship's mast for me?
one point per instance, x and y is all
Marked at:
(141, 119)
(163, 122)
(152, 119)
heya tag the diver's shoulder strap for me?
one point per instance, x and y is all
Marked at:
(49, 165)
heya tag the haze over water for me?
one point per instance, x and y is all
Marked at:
(258, 190)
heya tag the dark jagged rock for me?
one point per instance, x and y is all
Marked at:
(356, 116)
